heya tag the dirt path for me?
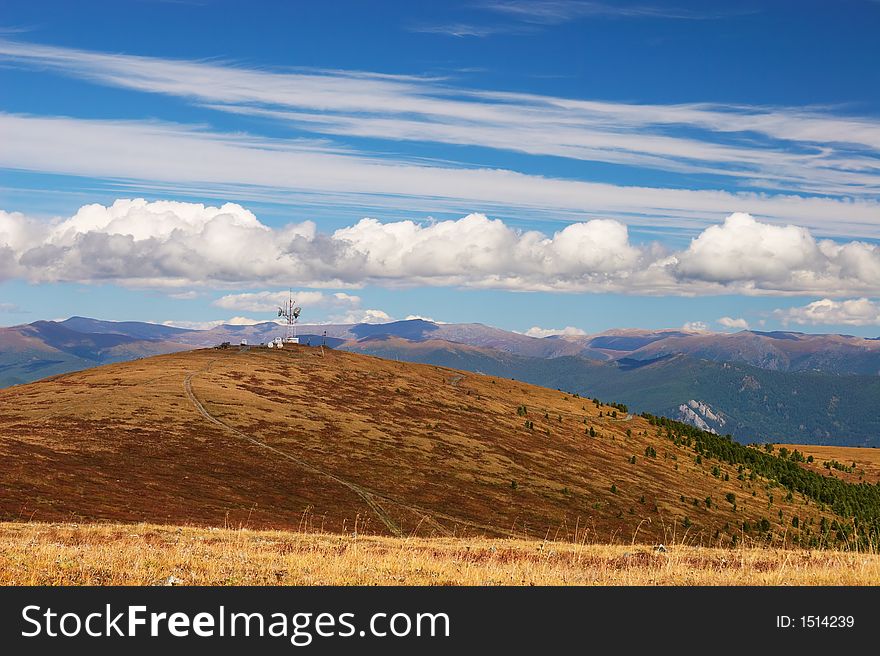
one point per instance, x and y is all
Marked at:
(369, 496)
(364, 494)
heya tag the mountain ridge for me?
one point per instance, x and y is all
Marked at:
(705, 368)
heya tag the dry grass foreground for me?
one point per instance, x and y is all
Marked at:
(146, 554)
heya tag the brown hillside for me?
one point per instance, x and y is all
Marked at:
(866, 460)
(294, 439)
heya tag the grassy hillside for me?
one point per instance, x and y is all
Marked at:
(343, 442)
(757, 404)
(851, 464)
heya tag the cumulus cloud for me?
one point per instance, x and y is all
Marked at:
(696, 326)
(537, 331)
(362, 316)
(207, 325)
(851, 312)
(748, 255)
(174, 244)
(736, 324)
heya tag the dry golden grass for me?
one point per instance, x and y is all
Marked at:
(867, 461)
(145, 554)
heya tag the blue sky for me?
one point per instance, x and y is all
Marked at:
(625, 164)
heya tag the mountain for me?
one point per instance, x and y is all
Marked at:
(325, 439)
(133, 329)
(776, 351)
(46, 348)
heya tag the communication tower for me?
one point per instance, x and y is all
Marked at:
(290, 311)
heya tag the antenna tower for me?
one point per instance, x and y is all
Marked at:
(290, 311)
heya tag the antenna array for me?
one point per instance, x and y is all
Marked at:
(290, 311)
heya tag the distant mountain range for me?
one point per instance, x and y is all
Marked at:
(757, 386)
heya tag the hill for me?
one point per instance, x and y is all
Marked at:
(852, 464)
(345, 442)
(769, 387)
(752, 404)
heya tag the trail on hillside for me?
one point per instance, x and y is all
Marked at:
(371, 497)
(364, 494)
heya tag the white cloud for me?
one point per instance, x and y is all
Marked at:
(736, 324)
(553, 12)
(184, 296)
(568, 331)
(173, 244)
(851, 312)
(411, 317)
(10, 308)
(267, 301)
(696, 326)
(362, 316)
(207, 325)
(746, 254)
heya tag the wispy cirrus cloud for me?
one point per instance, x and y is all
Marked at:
(554, 12)
(770, 149)
(465, 30)
(176, 154)
(531, 16)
